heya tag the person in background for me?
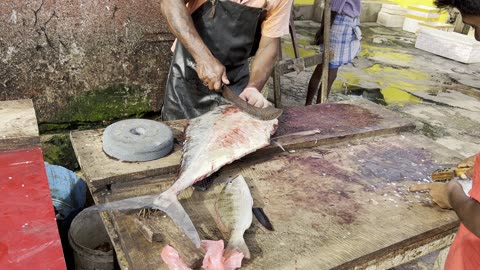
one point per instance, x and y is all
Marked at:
(345, 38)
(464, 254)
(214, 42)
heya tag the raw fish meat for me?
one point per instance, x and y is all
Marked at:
(213, 140)
(172, 259)
(216, 259)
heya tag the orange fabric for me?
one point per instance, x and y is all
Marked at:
(465, 250)
(278, 14)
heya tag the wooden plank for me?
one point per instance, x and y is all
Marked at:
(386, 259)
(18, 125)
(326, 52)
(347, 201)
(299, 127)
(101, 170)
(277, 92)
(287, 65)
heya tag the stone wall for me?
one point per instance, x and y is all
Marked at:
(84, 60)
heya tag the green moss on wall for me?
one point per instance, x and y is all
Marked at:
(113, 102)
(58, 150)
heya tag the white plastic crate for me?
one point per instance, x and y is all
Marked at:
(437, 25)
(390, 20)
(422, 14)
(410, 25)
(423, 9)
(393, 9)
(451, 45)
(419, 14)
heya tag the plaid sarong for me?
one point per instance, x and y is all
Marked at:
(345, 36)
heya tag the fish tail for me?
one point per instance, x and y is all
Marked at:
(168, 203)
(237, 242)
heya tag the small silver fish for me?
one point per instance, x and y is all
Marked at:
(234, 213)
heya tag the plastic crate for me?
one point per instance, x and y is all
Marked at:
(450, 45)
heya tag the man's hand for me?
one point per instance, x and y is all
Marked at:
(438, 192)
(254, 97)
(212, 73)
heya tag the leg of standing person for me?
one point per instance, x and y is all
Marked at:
(315, 83)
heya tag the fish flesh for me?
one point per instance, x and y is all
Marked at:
(215, 258)
(212, 140)
(234, 213)
(171, 257)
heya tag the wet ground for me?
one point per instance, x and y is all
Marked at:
(441, 94)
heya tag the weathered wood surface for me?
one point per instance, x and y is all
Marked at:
(101, 170)
(299, 128)
(18, 125)
(334, 206)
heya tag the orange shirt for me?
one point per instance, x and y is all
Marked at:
(464, 253)
(278, 14)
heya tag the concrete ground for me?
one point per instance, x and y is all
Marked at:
(441, 95)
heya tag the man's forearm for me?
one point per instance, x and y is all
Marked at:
(181, 25)
(264, 62)
(467, 209)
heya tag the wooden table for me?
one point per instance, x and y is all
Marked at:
(337, 197)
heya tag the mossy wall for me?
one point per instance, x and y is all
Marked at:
(84, 61)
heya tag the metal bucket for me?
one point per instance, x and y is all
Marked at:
(92, 249)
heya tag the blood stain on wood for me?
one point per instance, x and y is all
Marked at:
(396, 163)
(327, 117)
(327, 195)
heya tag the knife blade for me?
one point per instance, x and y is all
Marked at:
(258, 205)
(265, 114)
(262, 218)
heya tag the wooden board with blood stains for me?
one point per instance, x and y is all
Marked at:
(18, 125)
(299, 127)
(333, 206)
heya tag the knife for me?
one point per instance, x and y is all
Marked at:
(268, 113)
(446, 174)
(262, 218)
(258, 206)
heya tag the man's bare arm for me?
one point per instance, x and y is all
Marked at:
(261, 69)
(467, 209)
(264, 61)
(209, 69)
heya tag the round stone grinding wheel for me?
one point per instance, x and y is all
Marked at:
(137, 140)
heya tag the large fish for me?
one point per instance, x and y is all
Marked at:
(234, 213)
(213, 140)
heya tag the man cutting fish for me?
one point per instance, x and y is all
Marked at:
(214, 41)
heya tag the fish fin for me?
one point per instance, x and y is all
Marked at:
(237, 242)
(125, 204)
(168, 203)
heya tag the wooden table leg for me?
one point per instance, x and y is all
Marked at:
(326, 51)
(277, 93)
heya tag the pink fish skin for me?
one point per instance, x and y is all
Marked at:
(171, 257)
(216, 258)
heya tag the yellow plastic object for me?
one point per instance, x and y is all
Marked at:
(446, 174)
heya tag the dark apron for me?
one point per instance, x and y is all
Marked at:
(232, 35)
